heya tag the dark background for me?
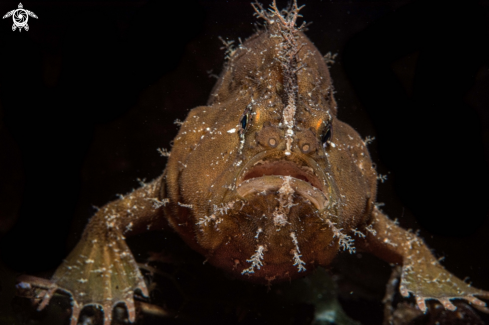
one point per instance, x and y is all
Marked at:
(90, 92)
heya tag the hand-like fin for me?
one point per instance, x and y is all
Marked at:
(431, 281)
(422, 274)
(101, 272)
(98, 272)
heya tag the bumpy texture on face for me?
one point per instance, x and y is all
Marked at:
(265, 182)
(266, 173)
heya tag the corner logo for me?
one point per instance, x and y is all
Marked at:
(20, 17)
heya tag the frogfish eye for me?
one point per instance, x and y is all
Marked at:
(244, 121)
(326, 135)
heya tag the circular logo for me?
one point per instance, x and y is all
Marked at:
(20, 17)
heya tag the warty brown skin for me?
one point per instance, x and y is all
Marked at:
(264, 181)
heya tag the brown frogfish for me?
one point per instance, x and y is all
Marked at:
(264, 181)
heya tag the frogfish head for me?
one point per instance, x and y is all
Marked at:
(272, 192)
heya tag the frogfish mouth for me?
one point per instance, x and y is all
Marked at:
(283, 198)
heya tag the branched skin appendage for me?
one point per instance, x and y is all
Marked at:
(263, 181)
(297, 257)
(255, 260)
(101, 270)
(288, 56)
(344, 241)
(286, 201)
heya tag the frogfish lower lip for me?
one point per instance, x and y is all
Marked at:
(275, 182)
(295, 169)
